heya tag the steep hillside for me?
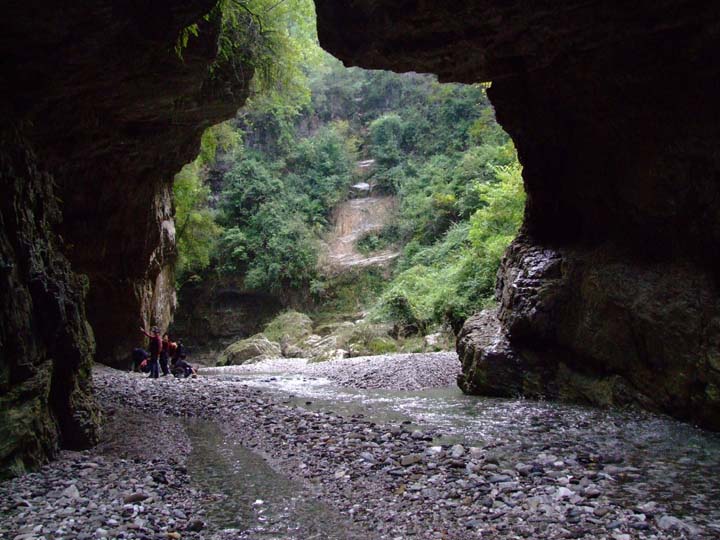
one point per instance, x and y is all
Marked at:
(375, 171)
(352, 221)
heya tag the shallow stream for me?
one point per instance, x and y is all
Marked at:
(252, 501)
(655, 459)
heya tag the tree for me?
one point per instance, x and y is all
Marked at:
(196, 230)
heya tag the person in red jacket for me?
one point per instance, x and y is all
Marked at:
(172, 351)
(164, 354)
(154, 348)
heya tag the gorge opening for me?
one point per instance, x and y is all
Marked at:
(609, 294)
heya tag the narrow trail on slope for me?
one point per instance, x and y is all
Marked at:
(352, 220)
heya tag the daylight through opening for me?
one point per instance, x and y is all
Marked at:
(376, 205)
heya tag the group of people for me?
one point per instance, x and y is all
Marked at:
(161, 351)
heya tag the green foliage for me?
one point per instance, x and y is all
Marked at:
(380, 240)
(386, 137)
(273, 211)
(502, 211)
(293, 324)
(183, 37)
(283, 251)
(289, 157)
(196, 230)
(320, 172)
(272, 38)
(219, 138)
(348, 293)
(233, 247)
(382, 345)
(450, 279)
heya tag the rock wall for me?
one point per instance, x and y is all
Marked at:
(124, 114)
(601, 327)
(217, 311)
(99, 113)
(46, 344)
(114, 113)
(613, 111)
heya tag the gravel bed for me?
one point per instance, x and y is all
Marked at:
(133, 485)
(400, 484)
(414, 371)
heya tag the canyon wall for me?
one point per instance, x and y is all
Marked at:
(46, 344)
(99, 112)
(610, 294)
(219, 310)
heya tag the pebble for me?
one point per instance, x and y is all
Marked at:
(135, 497)
(106, 492)
(414, 371)
(71, 492)
(410, 459)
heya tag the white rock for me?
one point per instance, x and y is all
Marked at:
(71, 492)
(476, 452)
(672, 523)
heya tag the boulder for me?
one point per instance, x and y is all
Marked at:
(405, 330)
(289, 349)
(252, 349)
(291, 327)
(578, 325)
(490, 365)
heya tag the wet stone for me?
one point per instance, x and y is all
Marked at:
(539, 471)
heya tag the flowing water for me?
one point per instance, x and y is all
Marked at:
(661, 460)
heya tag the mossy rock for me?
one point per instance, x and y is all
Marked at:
(332, 328)
(291, 326)
(382, 345)
(415, 344)
(252, 349)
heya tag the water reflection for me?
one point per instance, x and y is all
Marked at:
(252, 501)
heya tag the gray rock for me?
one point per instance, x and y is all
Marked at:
(71, 492)
(135, 497)
(410, 459)
(195, 525)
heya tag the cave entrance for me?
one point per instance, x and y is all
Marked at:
(354, 196)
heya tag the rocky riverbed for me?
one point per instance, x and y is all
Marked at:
(414, 371)
(383, 481)
(133, 485)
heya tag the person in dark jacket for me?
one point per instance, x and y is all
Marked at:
(138, 355)
(154, 348)
(183, 368)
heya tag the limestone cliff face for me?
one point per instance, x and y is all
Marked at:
(99, 113)
(114, 113)
(599, 326)
(613, 111)
(46, 344)
(218, 311)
